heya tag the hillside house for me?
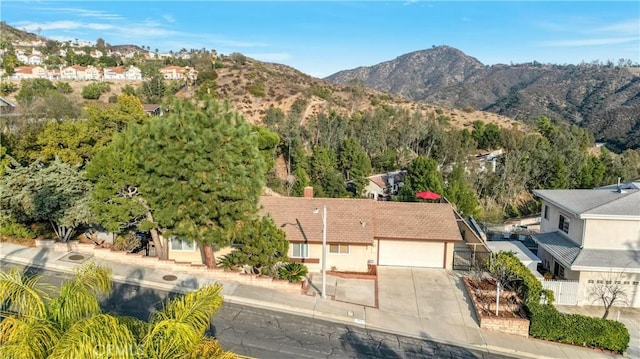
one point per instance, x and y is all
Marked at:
(384, 185)
(360, 233)
(6, 106)
(593, 237)
(29, 72)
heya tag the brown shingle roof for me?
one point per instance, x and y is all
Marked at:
(421, 221)
(359, 221)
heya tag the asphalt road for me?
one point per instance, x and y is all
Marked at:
(267, 334)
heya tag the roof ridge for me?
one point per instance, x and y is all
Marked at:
(612, 200)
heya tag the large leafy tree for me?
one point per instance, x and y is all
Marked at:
(43, 323)
(196, 174)
(55, 193)
(422, 175)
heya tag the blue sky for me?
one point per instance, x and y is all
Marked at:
(323, 37)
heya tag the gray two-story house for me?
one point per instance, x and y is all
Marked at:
(592, 236)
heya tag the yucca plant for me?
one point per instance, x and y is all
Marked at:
(293, 272)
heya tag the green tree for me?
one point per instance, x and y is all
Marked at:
(63, 87)
(354, 164)
(71, 141)
(69, 323)
(460, 192)
(94, 90)
(196, 174)
(56, 193)
(325, 177)
(261, 244)
(422, 175)
(33, 88)
(267, 142)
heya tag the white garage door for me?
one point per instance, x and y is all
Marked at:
(411, 254)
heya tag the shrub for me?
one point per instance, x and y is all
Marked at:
(506, 265)
(9, 227)
(469, 109)
(549, 324)
(293, 272)
(64, 87)
(7, 88)
(256, 89)
(93, 90)
(126, 242)
(230, 261)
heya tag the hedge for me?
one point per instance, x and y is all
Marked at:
(527, 285)
(549, 324)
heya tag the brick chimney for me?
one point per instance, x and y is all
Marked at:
(308, 192)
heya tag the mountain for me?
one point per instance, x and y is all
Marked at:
(9, 33)
(604, 99)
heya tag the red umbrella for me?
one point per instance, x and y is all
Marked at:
(428, 195)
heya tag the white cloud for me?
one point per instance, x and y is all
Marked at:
(84, 13)
(631, 27)
(61, 25)
(168, 18)
(589, 42)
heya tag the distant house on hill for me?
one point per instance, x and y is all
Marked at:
(384, 185)
(152, 110)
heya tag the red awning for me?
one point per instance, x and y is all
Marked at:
(428, 195)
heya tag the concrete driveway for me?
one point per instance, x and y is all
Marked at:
(435, 296)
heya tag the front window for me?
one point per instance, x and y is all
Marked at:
(546, 212)
(178, 244)
(339, 249)
(299, 250)
(563, 225)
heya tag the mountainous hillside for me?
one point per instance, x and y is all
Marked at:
(10, 34)
(602, 98)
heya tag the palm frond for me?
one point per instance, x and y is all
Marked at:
(95, 278)
(27, 338)
(209, 348)
(22, 294)
(100, 336)
(138, 328)
(74, 303)
(194, 308)
(170, 339)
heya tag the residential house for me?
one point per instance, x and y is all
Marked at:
(34, 59)
(80, 73)
(487, 161)
(152, 110)
(359, 233)
(113, 73)
(383, 186)
(133, 74)
(174, 72)
(592, 236)
(29, 72)
(96, 54)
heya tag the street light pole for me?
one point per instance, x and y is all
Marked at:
(324, 252)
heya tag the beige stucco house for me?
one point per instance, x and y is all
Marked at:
(592, 236)
(360, 233)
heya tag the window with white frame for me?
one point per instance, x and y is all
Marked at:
(563, 225)
(299, 250)
(179, 244)
(339, 248)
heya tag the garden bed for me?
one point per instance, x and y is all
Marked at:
(510, 317)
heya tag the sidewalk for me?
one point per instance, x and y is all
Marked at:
(446, 324)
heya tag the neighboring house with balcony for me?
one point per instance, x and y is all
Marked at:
(592, 236)
(29, 72)
(384, 185)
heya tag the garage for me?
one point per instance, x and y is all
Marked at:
(411, 253)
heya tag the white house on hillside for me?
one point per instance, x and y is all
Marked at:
(593, 237)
